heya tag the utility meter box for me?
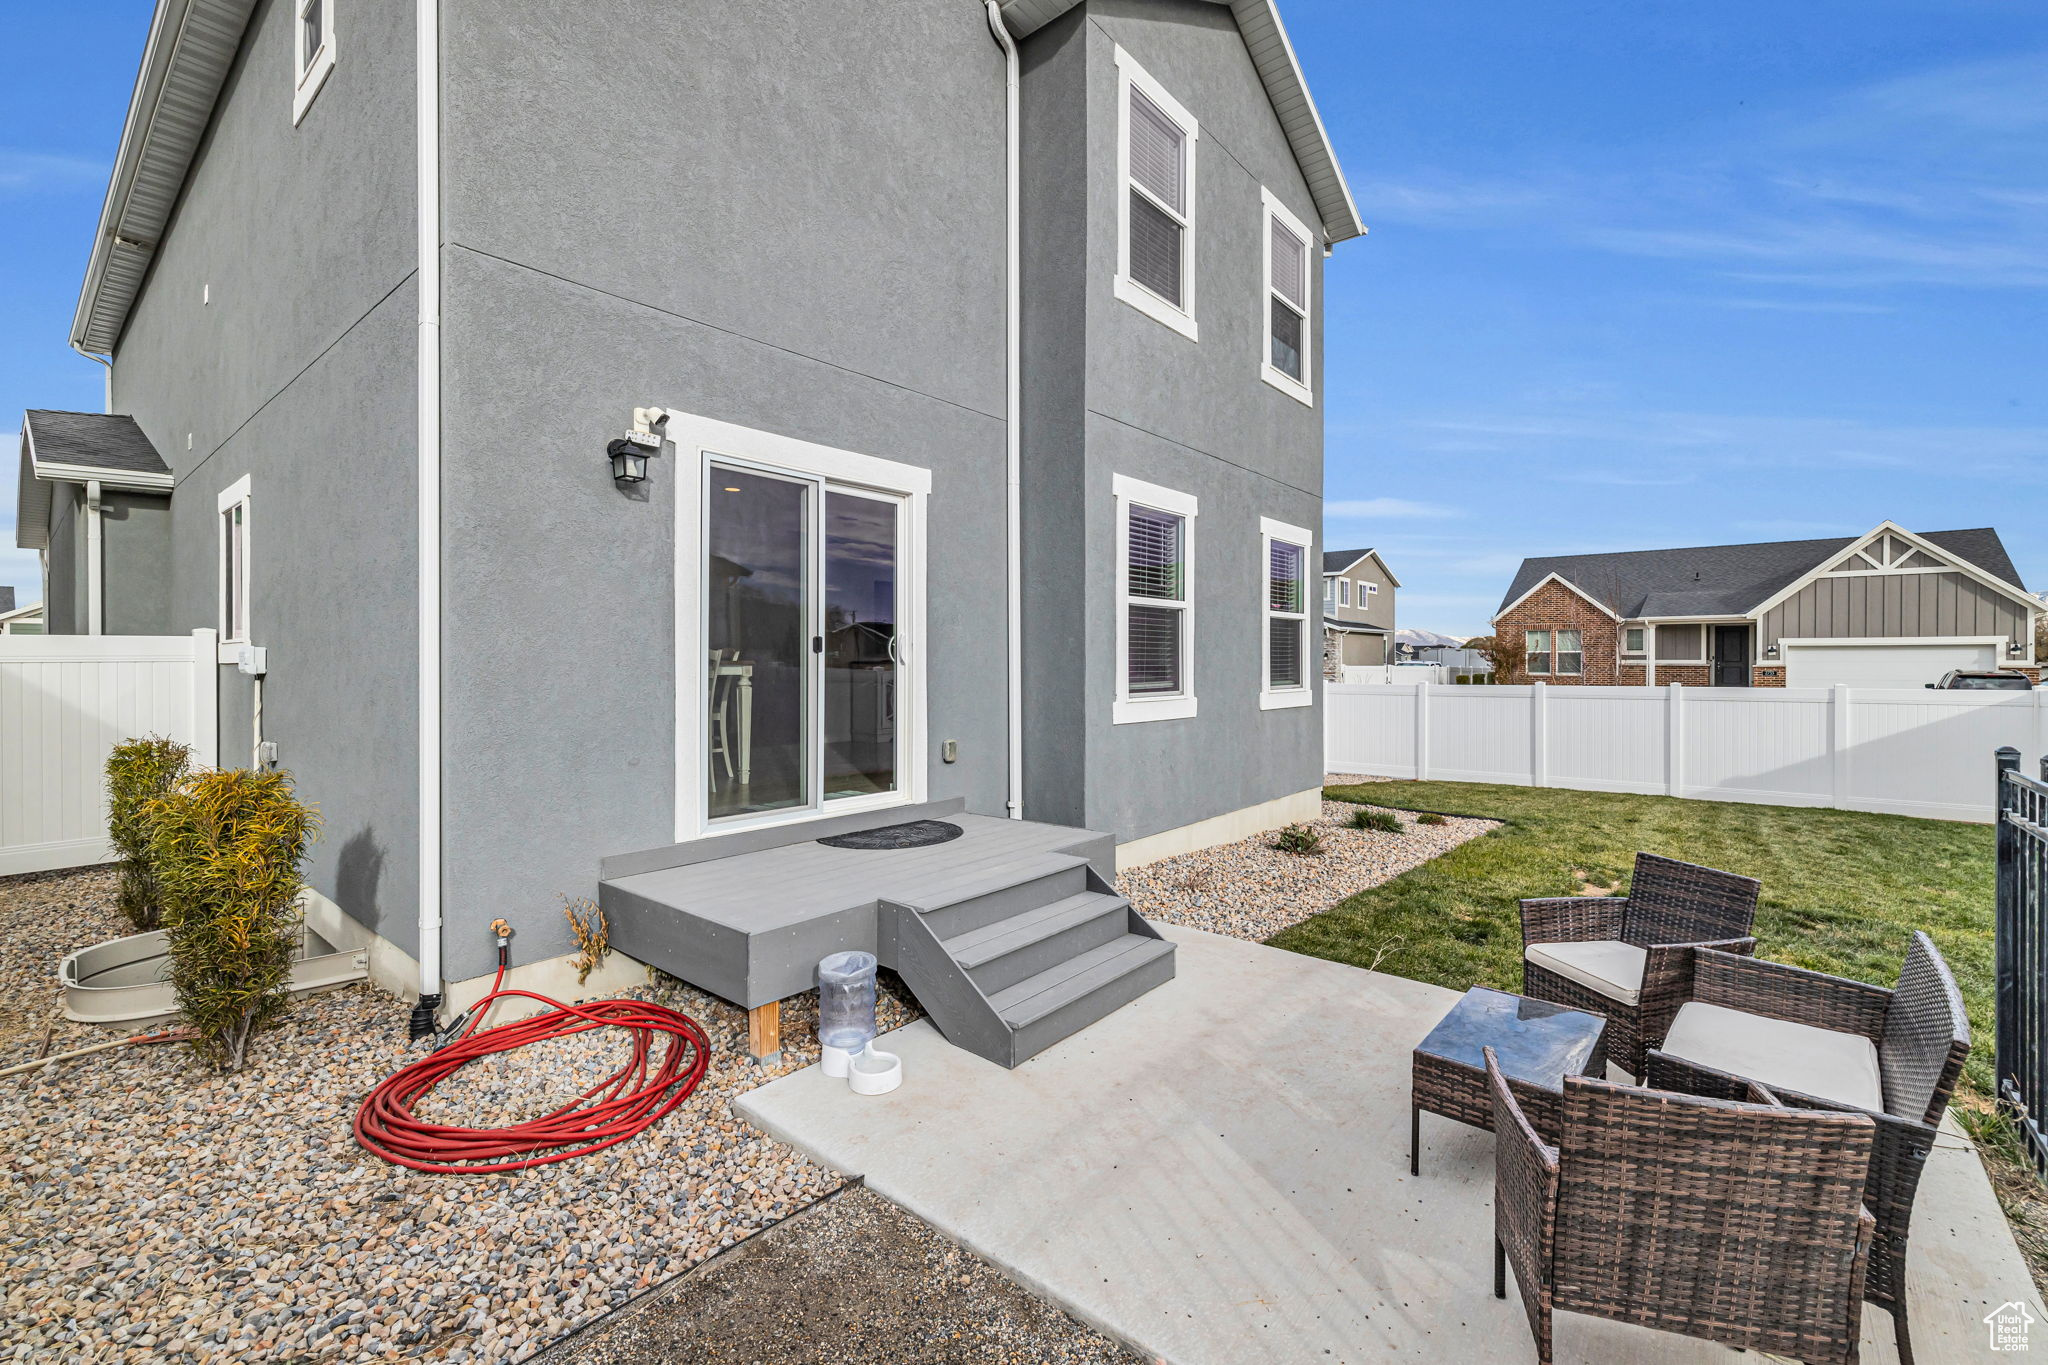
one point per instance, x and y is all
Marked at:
(253, 660)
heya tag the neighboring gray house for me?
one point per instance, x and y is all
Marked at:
(924, 533)
(1889, 608)
(1358, 607)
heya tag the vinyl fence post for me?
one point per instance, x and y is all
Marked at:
(1539, 734)
(2006, 926)
(1674, 740)
(1421, 732)
(1841, 704)
(205, 737)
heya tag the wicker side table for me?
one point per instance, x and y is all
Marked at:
(1537, 1044)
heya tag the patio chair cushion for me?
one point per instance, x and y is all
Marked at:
(1841, 1067)
(1606, 965)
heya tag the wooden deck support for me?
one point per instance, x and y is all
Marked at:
(764, 1031)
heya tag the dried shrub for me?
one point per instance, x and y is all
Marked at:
(1430, 817)
(593, 935)
(228, 849)
(1299, 839)
(1382, 821)
(140, 771)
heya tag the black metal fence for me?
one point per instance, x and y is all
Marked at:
(2022, 936)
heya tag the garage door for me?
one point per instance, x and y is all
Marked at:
(1880, 665)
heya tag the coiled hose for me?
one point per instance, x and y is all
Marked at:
(623, 1105)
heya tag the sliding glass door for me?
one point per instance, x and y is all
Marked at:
(802, 648)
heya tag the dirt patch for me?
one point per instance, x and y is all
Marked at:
(850, 1280)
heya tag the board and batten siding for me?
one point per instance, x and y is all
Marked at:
(1891, 605)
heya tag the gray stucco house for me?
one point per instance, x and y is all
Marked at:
(979, 362)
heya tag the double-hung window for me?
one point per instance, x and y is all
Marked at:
(1344, 592)
(1329, 593)
(1284, 302)
(1570, 661)
(233, 507)
(312, 51)
(1287, 680)
(1536, 648)
(1154, 610)
(1554, 653)
(1156, 210)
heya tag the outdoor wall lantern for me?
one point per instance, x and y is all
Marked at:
(1771, 650)
(2013, 650)
(629, 455)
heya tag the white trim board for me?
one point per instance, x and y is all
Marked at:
(1921, 543)
(1282, 698)
(1126, 709)
(1301, 390)
(1132, 76)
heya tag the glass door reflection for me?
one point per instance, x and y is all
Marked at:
(863, 649)
(759, 674)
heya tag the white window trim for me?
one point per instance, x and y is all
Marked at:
(1273, 698)
(308, 77)
(1549, 651)
(1181, 319)
(1371, 589)
(1343, 592)
(1300, 389)
(699, 440)
(1628, 653)
(1129, 710)
(229, 642)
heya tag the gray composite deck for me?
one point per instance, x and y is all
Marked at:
(751, 927)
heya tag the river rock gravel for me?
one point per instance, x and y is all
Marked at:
(1252, 890)
(151, 1210)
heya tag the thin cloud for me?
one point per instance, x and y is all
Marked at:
(1384, 509)
(23, 173)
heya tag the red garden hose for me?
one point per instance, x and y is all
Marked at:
(629, 1101)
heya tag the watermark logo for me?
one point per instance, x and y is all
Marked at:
(2008, 1324)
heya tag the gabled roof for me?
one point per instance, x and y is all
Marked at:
(1273, 55)
(1723, 580)
(76, 447)
(1344, 561)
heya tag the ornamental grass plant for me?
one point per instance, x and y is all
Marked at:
(228, 850)
(140, 771)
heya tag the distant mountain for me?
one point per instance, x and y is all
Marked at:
(1427, 639)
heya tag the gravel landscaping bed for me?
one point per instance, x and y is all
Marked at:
(853, 1280)
(1252, 890)
(155, 1211)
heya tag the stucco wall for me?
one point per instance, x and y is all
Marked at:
(808, 241)
(1370, 608)
(135, 552)
(65, 613)
(1193, 416)
(276, 330)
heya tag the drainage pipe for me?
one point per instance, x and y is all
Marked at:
(95, 573)
(427, 112)
(1013, 412)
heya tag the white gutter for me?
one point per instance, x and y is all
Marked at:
(107, 401)
(95, 607)
(1013, 415)
(427, 112)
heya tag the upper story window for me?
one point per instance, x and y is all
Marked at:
(1344, 592)
(1154, 610)
(234, 562)
(1156, 213)
(1287, 681)
(1371, 589)
(312, 51)
(1330, 592)
(1284, 302)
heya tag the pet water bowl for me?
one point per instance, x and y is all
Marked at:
(874, 1073)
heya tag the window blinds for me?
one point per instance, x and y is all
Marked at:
(1158, 210)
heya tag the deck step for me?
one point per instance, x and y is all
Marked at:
(1011, 950)
(995, 894)
(1043, 1009)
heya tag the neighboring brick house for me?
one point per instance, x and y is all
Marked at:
(1358, 607)
(1885, 609)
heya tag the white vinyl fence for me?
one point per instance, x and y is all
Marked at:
(1924, 753)
(65, 701)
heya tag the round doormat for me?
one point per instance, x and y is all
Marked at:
(913, 834)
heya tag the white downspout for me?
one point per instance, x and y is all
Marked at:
(427, 113)
(1013, 414)
(95, 586)
(107, 402)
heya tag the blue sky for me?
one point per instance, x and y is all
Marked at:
(1639, 274)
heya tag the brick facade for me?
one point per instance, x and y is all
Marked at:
(1557, 607)
(1767, 675)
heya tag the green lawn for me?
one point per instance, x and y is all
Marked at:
(1841, 891)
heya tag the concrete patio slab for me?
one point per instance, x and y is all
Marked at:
(1217, 1174)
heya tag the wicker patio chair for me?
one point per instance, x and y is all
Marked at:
(1741, 1223)
(1826, 1042)
(1630, 957)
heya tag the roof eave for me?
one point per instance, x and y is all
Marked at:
(31, 502)
(1273, 55)
(191, 46)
